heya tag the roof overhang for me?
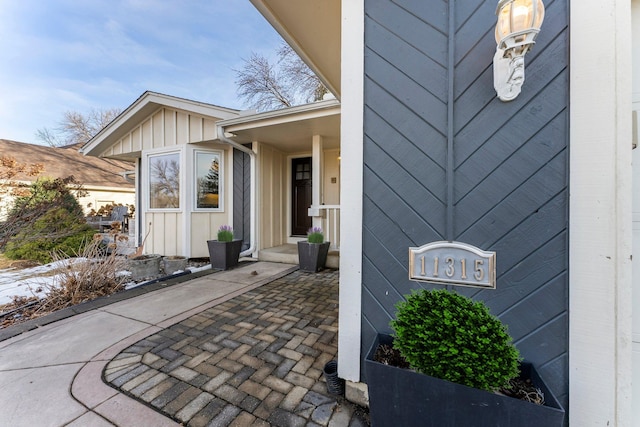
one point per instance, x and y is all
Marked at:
(143, 107)
(289, 129)
(312, 28)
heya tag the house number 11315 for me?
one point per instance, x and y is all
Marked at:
(452, 263)
(450, 268)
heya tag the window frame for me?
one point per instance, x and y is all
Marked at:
(221, 180)
(181, 188)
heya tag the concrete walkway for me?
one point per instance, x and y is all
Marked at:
(52, 376)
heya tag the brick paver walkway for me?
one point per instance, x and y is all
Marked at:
(256, 359)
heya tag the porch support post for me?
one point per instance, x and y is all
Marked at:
(600, 285)
(317, 165)
(351, 194)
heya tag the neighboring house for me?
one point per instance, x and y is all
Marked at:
(429, 153)
(103, 179)
(191, 178)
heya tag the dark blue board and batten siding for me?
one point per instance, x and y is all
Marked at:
(444, 159)
(242, 197)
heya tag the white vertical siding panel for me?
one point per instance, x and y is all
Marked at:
(205, 227)
(169, 130)
(147, 135)
(273, 197)
(195, 128)
(266, 237)
(279, 199)
(209, 129)
(117, 147)
(157, 135)
(156, 237)
(136, 139)
(201, 231)
(171, 242)
(182, 127)
(331, 195)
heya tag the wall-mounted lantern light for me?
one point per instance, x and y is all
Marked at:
(518, 25)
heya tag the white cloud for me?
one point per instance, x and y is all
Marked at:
(68, 55)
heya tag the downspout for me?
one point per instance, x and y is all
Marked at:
(252, 171)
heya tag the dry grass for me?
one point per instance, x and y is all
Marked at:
(88, 276)
(4, 262)
(11, 263)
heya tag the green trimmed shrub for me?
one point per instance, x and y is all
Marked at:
(449, 336)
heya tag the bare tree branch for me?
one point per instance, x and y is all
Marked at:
(297, 74)
(75, 127)
(267, 86)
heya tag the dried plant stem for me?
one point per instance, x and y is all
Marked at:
(89, 276)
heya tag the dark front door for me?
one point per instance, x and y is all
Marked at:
(300, 196)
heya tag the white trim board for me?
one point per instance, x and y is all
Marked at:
(600, 214)
(351, 173)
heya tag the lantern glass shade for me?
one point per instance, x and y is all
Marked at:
(518, 26)
(518, 18)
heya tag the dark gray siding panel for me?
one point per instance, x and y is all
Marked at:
(242, 196)
(444, 159)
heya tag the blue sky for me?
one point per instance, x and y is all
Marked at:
(71, 55)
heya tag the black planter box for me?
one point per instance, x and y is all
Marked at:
(312, 256)
(401, 397)
(224, 255)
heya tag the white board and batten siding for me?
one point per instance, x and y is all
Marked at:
(272, 197)
(182, 231)
(635, 98)
(164, 128)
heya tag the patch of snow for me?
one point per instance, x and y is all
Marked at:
(26, 282)
(36, 281)
(197, 269)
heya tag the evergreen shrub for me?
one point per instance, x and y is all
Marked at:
(449, 336)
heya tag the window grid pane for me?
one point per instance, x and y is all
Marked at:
(207, 180)
(164, 181)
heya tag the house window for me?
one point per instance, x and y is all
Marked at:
(164, 181)
(208, 180)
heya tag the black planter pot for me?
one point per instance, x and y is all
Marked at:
(401, 397)
(312, 256)
(224, 255)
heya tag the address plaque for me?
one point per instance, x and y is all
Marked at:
(453, 263)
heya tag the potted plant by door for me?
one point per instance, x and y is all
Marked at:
(224, 253)
(312, 253)
(451, 363)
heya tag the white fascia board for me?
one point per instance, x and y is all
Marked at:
(146, 104)
(196, 107)
(284, 115)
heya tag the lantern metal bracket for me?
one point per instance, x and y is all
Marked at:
(514, 38)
